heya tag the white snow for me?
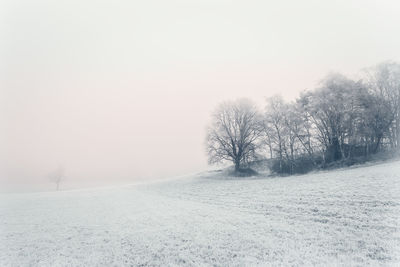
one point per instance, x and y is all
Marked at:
(345, 217)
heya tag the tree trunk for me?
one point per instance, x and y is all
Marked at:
(336, 150)
(378, 142)
(397, 144)
(270, 151)
(237, 165)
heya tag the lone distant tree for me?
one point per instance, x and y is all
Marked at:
(234, 133)
(57, 176)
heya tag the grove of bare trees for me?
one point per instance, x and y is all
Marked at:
(340, 121)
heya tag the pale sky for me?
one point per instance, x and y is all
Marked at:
(123, 90)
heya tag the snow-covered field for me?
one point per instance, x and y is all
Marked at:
(346, 217)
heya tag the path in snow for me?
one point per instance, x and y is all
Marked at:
(345, 217)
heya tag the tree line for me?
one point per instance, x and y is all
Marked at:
(340, 121)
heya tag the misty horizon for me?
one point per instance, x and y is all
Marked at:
(121, 92)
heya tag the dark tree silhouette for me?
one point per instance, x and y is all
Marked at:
(234, 133)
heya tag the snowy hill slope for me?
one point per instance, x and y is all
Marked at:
(343, 217)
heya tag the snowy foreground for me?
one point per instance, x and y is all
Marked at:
(344, 217)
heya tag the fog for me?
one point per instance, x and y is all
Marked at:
(121, 91)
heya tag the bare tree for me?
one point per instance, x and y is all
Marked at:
(275, 125)
(234, 133)
(376, 118)
(331, 110)
(384, 80)
(57, 176)
(303, 128)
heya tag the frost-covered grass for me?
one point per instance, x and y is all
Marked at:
(345, 217)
